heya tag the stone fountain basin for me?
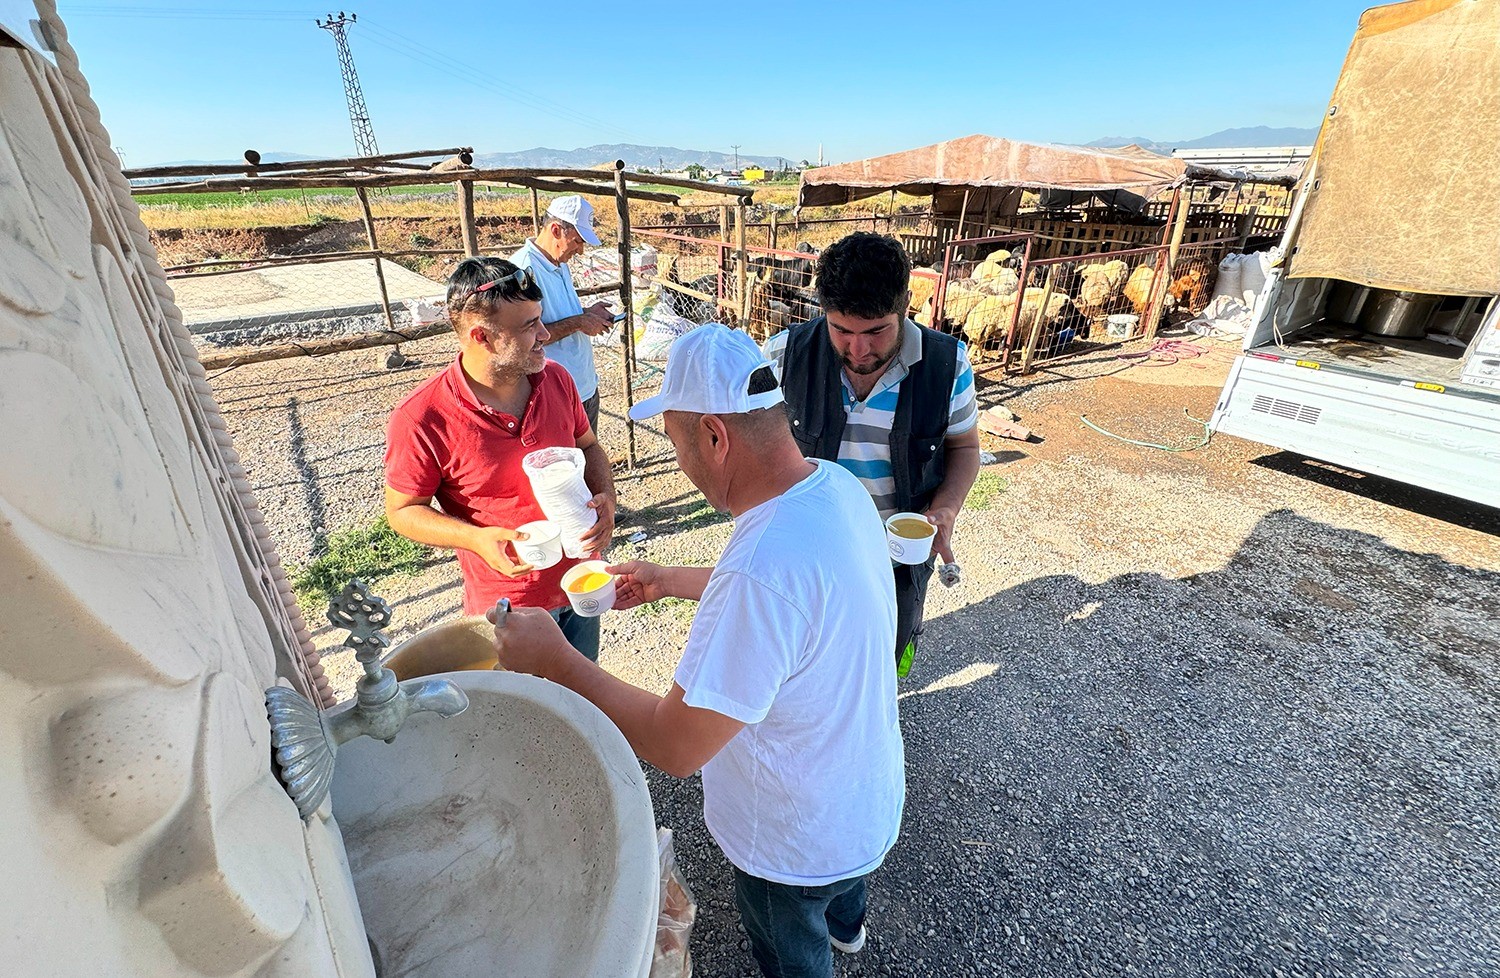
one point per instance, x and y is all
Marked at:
(514, 839)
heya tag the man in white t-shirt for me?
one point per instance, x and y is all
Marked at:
(785, 697)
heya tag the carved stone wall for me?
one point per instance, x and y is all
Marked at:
(142, 613)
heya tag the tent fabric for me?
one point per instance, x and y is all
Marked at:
(1404, 192)
(989, 161)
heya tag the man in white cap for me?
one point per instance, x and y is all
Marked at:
(785, 697)
(567, 228)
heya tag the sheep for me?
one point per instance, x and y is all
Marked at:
(1101, 286)
(1139, 288)
(991, 266)
(992, 314)
(1001, 281)
(922, 289)
(959, 301)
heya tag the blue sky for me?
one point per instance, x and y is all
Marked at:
(205, 80)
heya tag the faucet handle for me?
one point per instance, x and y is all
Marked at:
(365, 617)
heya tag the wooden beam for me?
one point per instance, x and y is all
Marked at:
(742, 266)
(594, 189)
(385, 298)
(699, 185)
(465, 190)
(147, 172)
(218, 266)
(627, 325)
(1041, 317)
(316, 181)
(536, 214)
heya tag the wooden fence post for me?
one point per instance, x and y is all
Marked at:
(385, 299)
(772, 233)
(466, 217)
(627, 325)
(742, 263)
(1166, 267)
(1247, 227)
(536, 214)
(1041, 317)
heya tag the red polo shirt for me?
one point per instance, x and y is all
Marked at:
(443, 442)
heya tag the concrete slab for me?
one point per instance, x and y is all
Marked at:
(283, 293)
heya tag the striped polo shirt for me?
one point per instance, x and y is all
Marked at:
(866, 446)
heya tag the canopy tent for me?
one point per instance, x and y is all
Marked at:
(989, 162)
(1404, 192)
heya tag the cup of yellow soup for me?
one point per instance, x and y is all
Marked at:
(909, 537)
(590, 588)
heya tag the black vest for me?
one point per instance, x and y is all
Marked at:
(814, 397)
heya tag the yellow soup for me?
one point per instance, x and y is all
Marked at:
(589, 582)
(912, 529)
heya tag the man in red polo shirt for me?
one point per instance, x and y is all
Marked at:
(460, 437)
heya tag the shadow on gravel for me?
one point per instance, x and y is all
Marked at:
(1286, 766)
(1449, 509)
(312, 492)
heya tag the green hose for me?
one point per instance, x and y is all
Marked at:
(1207, 434)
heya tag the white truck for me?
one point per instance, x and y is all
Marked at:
(1375, 342)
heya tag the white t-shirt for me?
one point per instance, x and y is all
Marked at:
(793, 637)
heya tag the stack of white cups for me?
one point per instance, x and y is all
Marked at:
(556, 476)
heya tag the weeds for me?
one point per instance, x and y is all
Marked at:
(988, 487)
(370, 553)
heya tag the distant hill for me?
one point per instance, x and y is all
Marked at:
(634, 156)
(1242, 138)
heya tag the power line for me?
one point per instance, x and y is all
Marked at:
(375, 34)
(481, 78)
(359, 114)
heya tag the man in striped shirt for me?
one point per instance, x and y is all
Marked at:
(891, 401)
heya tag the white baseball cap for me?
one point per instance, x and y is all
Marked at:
(577, 212)
(708, 372)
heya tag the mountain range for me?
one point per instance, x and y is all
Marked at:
(1243, 138)
(635, 157)
(673, 158)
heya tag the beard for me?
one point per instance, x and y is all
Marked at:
(865, 369)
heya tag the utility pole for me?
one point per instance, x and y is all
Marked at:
(359, 116)
(736, 148)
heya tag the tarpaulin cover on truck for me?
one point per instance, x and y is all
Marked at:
(1405, 189)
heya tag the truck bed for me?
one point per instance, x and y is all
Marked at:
(1341, 347)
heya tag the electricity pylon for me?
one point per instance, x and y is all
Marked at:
(359, 115)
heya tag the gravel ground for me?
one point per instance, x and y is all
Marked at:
(1225, 712)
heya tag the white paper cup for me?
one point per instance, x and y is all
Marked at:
(542, 547)
(590, 604)
(909, 550)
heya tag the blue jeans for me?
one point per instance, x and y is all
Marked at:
(789, 926)
(582, 633)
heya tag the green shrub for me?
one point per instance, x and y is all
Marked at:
(370, 553)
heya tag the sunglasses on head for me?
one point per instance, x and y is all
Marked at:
(521, 276)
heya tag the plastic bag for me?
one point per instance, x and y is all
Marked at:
(662, 330)
(674, 920)
(425, 312)
(556, 476)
